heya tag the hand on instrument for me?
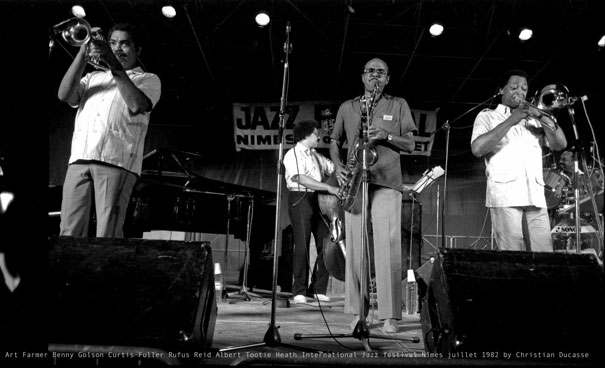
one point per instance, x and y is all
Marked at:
(333, 190)
(100, 51)
(520, 113)
(341, 174)
(376, 134)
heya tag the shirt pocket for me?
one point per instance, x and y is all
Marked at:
(503, 178)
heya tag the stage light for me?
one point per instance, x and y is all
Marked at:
(436, 29)
(525, 34)
(169, 11)
(262, 19)
(601, 42)
(78, 11)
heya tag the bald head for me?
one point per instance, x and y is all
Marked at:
(375, 74)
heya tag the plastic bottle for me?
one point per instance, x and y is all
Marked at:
(218, 283)
(411, 294)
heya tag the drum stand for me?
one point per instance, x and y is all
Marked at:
(580, 159)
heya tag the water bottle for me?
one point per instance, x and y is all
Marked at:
(411, 294)
(218, 283)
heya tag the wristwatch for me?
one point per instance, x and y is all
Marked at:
(389, 137)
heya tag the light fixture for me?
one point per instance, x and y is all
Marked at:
(262, 19)
(436, 29)
(601, 42)
(525, 34)
(78, 11)
(169, 11)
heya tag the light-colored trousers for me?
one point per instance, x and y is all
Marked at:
(522, 228)
(112, 187)
(385, 219)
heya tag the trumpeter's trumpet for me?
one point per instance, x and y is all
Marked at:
(77, 32)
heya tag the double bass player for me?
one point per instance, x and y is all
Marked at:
(305, 170)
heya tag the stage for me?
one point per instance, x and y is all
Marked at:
(240, 331)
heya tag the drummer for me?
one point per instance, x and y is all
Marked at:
(566, 163)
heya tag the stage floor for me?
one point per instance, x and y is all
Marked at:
(326, 340)
(241, 323)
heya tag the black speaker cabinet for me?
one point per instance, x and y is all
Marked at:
(131, 292)
(523, 303)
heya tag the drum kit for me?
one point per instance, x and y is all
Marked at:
(560, 199)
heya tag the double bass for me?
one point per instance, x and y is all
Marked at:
(333, 246)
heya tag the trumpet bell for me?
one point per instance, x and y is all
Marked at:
(75, 31)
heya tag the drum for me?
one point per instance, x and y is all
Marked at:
(554, 182)
(564, 238)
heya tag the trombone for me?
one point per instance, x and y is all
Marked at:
(551, 97)
(77, 32)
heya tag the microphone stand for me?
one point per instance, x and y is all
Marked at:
(580, 160)
(361, 330)
(272, 337)
(447, 127)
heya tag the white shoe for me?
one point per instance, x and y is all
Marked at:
(322, 298)
(390, 326)
(299, 299)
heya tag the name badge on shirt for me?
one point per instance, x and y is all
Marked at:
(387, 117)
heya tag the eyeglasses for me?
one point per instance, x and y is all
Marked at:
(381, 72)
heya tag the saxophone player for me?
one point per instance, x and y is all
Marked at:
(390, 131)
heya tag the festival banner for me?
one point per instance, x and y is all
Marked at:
(256, 126)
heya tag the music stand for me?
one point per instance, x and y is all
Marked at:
(243, 292)
(428, 178)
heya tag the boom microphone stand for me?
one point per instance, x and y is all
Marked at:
(447, 126)
(580, 164)
(272, 337)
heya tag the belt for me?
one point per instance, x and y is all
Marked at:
(302, 190)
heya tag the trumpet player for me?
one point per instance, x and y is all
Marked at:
(113, 111)
(510, 139)
(390, 127)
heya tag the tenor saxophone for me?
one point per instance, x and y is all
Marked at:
(349, 190)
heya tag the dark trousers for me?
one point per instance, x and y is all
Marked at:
(305, 217)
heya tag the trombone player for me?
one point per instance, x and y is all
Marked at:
(114, 106)
(510, 139)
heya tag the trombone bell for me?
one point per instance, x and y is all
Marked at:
(551, 97)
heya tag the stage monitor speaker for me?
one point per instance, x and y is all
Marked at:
(523, 303)
(131, 292)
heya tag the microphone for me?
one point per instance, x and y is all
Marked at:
(287, 44)
(573, 99)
